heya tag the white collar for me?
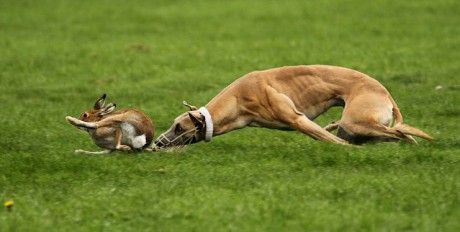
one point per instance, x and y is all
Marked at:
(209, 126)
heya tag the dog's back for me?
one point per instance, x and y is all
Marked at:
(312, 88)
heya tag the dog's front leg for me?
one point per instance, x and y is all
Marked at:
(332, 126)
(285, 110)
(306, 126)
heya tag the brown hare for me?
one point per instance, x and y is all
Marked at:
(122, 130)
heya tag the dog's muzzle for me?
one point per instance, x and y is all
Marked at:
(163, 141)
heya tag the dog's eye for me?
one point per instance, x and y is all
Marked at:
(179, 128)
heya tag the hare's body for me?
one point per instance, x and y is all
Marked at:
(119, 130)
(130, 123)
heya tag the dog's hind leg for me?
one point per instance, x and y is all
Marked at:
(374, 129)
(367, 117)
(285, 111)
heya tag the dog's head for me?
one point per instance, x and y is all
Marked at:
(186, 129)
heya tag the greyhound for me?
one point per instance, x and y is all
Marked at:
(290, 98)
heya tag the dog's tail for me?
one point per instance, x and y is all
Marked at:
(397, 114)
(404, 128)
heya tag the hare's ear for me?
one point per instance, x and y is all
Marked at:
(189, 106)
(108, 109)
(100, 102)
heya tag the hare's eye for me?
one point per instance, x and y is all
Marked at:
(85, 115)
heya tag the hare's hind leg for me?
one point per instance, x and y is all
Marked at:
(93, 152)
(79, 123)
(110, 121)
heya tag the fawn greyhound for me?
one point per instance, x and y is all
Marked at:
(290, 98)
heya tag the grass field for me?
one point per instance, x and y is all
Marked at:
(57, 57)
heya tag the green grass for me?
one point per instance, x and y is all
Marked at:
(57, 57)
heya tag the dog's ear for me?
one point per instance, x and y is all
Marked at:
(198, 121)
(100, 102)
(108, 109)
(189, 106)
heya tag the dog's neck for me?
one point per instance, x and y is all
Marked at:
(208, 124)
(223, 115)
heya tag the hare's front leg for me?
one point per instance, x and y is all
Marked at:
(118, 145)
(93, 152)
